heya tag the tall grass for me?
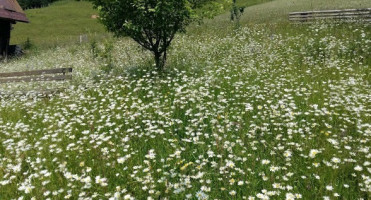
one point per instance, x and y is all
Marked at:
(239, 114)
(267, 111)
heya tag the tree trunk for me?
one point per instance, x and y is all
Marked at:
(157, 60)
(160, 59)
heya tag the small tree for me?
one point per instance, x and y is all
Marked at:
(236, 13)
(151, 23)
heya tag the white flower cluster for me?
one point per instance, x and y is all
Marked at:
(252, 114)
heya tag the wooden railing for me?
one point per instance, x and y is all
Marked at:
(363, 15)
(59, 74)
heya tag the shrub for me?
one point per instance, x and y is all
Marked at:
(28, 44)
(27, 4)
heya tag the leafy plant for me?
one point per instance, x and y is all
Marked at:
(106, 56)
(28, 44)
(151, 23)
(236, 13)
(103, 53)
(93, 48)
(26, 4)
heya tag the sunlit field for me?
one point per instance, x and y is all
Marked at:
(59, 24)
(251, 114)
(264, 111)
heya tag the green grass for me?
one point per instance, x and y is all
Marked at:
(277, 10)
(274, 14)
(60, 23)
(236, 114)
(63, 22)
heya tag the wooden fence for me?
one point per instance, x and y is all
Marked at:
(59, 74)
(362, 15)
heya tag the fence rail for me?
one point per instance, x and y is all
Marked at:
(59, 74)
(347, 14)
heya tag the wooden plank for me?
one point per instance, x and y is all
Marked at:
(333, 17)
(362, 15)
(37, 78)
(332, 11)
(337, 18)
(330, 17)
(36, 72)
(333, 14)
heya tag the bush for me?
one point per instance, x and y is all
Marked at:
(28, 44)
(27, 4)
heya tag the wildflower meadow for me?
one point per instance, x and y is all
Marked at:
(260, 112)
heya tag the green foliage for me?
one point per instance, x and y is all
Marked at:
(151, 23)
(26, 4)
(105, 54)
(248, 98)
(198, 3)
(236, 13)
(28, 44)
(93, 47)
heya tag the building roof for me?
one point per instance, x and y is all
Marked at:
(10, 10)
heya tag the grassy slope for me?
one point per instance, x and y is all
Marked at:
(287, 75)
(274, 13)
(60, 23)
(64, 21)
(249, 95)
(277, 10)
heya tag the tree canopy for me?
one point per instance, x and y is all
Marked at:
(151, 23)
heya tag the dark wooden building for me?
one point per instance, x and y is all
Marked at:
(10, 13)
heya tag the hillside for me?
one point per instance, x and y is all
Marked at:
(60, 23)
(276, 11)
(64, 21)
